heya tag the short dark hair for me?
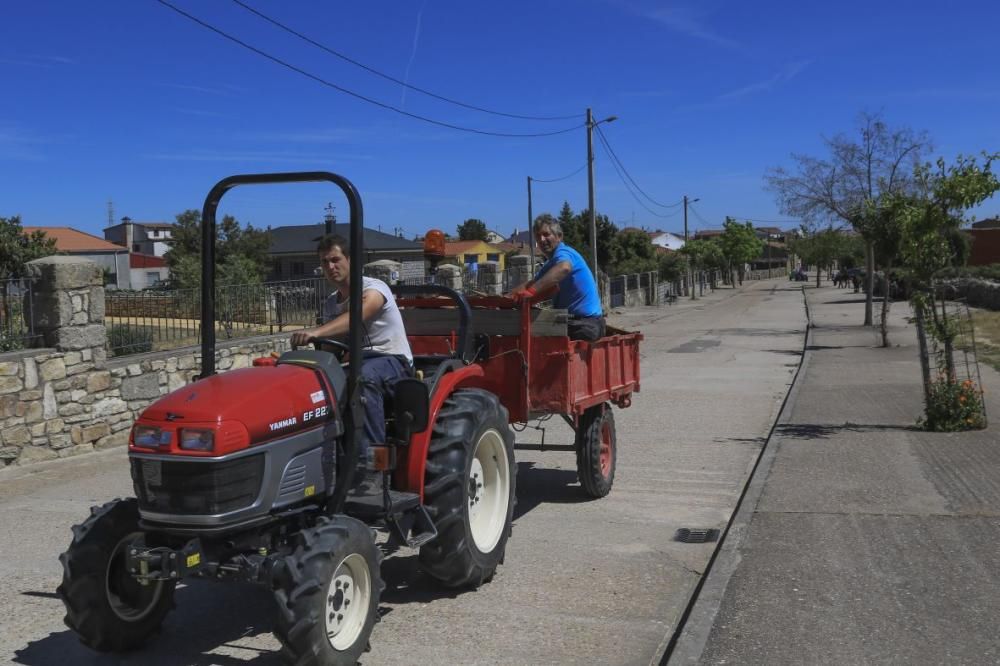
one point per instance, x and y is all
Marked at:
(330, 241)
(552, 223)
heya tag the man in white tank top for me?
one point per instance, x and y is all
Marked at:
(387, 355)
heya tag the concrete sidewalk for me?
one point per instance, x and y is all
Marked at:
(861, 539)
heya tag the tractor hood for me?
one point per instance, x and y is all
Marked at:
(264, 402)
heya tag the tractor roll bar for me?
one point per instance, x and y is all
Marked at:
(356, 240)
(464, 311)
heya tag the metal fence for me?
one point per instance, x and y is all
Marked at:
(16, 302)
(155, 320)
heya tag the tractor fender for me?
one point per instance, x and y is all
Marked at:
(416, 457)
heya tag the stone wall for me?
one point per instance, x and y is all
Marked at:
(69, 399)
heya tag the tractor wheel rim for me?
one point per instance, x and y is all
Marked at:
(606, 449)
(129, 600)
(489, 490)
(348, 598)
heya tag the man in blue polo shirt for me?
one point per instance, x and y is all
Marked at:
(577, 288)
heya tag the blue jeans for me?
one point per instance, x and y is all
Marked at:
(378, 376)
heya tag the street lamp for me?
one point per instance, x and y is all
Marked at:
(691, 266)
(591, 124)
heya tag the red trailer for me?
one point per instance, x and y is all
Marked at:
(522, 354)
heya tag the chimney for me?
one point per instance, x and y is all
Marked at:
(129, 232)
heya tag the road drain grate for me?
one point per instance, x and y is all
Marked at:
(692, 535)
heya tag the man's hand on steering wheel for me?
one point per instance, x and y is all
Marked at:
(302, 338)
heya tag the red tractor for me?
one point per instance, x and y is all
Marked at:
(245, 476)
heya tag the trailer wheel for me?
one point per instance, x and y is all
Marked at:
(107, 608)
(469, 489)
(327, 593)
(596, 450)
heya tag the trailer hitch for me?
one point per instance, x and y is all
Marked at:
(147, 564)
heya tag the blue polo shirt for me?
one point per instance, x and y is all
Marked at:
(578, 290)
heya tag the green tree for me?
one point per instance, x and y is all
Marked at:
(17, 249)
(241, 253)
(632, 252)
(819, 248)
(835, 189)
(928, 220)
(740, 245)
(472, 229)
(671, 266)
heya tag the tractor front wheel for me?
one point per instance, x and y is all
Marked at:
(106, 606)
(327, 593)
(469, 489)
(596, 450)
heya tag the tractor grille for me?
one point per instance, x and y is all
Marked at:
(197, 488)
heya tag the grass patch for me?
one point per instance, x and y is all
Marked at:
(987, 326)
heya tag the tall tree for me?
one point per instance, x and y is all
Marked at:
(740, 245)
(838, 188)
(928, 220)
(241, 253)
(473, 229)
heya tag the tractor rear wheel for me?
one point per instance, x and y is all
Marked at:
(469, 489)
(107, 608)
(596, 450)
(327, 593)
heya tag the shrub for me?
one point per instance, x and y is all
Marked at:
(124, 340)
(954, 405)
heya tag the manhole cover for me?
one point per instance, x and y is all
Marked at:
(694, 535)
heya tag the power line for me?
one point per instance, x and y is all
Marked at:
(556, 180)
(383, 105)
(391, 78)
(698, 215)
(639, 201)
(615, 158)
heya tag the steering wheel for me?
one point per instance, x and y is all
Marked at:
(341, 348)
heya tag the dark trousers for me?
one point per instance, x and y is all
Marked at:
(585, 328)
(379, 373)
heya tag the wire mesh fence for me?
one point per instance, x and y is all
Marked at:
(158, 320)
(17, 298)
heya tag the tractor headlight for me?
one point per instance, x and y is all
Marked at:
(150, 436)
(197, 439)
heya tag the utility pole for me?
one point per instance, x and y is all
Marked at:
(690, 262)
(590, 189)
(531, 233)
(590, 182)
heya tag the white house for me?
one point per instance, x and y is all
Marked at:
(666, 239)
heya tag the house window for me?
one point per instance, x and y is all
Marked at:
(471, 259)
(493, 257)
(135, 247)
(152, 279)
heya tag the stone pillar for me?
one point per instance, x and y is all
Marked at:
(490, 278)
(384, 269)
(519, 269)
(68, 308)
(450, 275)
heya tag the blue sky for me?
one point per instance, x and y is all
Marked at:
(126, 100)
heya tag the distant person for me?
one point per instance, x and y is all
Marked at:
(386, 357)
(577, 288)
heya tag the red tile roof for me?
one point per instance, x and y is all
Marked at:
(72, 240)
(137, 260)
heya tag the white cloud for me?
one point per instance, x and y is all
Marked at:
(787, 73)
(685, 21)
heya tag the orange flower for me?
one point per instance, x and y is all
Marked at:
(961, 398)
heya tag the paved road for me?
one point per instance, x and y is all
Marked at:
(584, 581)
